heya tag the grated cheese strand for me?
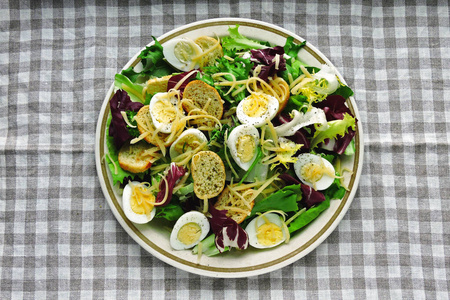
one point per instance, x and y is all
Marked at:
(116, 171)
(125, 118)
(177, 86)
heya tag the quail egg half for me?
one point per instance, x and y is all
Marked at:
(137, 203)
(188, 140)
(163, 110)
(256, 109)
(180, 53)
(189, 230)
(266, 231)
(243, 142)
(315, 171)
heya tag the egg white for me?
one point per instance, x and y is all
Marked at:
(192, 216)
(192, 132)
(269, 114)
(305, 158)
(174, 61)
(233, 138)
(251, 230)
(165, 127)
(327, 72)
(129, 213)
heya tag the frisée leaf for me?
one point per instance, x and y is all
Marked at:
(239, 42)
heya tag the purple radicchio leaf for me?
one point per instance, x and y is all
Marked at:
(266, 57)
(227, 231)
(288, 179)
(342, 142)
(335, 108)
(310, 197)
(118, 127)
(173, 81)
(173, 175)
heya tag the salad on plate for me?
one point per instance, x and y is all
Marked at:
(235, 142)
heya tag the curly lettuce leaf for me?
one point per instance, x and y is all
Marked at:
(335, 129)
(240, 68)
(133, 131)
(335, 109)
(292, 49)
(239, 42)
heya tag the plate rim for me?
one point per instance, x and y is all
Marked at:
(195, 268)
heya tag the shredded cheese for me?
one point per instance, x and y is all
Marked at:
(177, 86)
(276, 59)
(266, 184)
(125, 118)
(116, 171)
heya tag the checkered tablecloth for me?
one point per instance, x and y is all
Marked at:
(58, 237)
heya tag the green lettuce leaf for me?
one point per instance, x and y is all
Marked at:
(134, 90)
(153, 63)
(344, 91)
(239, 67)
(335, 191)
(284, 199)
(292, 49)
(239, 42)
(308, 216)
(170, 212)
(209, 246)
(335, 128)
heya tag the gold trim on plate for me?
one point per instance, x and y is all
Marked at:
(209, 268)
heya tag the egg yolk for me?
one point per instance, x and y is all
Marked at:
(164, 112)
(141, 201)
(187, 143)
(184, 51)
(312, 172)
(245, 147)
(269, 234)
(255, 105)
(189, 233)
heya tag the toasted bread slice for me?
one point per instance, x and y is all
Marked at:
(228, 199)
(203, 96)
(208, 173)
(211, 47)
(144, 120)
(158, 85)
(132, 157)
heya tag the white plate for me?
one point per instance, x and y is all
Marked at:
(154, 237)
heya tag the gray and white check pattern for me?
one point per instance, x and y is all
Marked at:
(58, 237)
